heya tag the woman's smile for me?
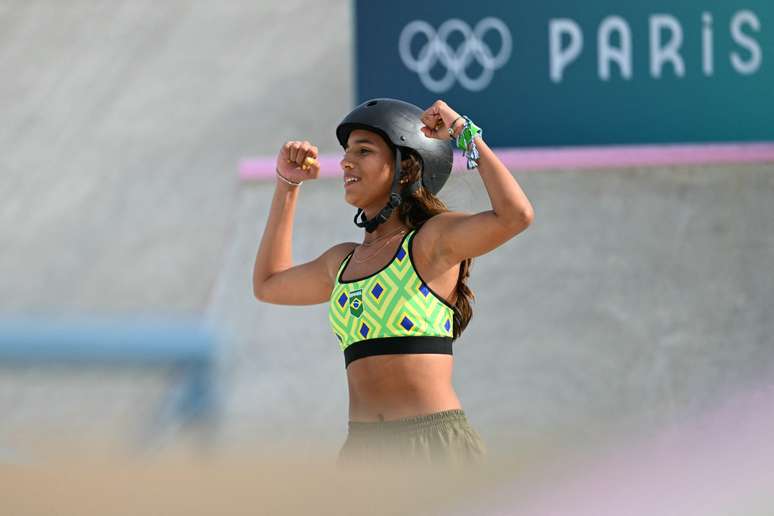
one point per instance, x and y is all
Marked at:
(350, 180)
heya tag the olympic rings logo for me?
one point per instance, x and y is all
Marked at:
(456, 62)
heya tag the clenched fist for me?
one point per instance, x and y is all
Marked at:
(297, 161)
(438, 118)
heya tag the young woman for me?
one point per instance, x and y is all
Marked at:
(398, 299)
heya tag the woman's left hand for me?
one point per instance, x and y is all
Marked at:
(438, 118)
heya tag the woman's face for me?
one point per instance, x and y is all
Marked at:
(369, 160)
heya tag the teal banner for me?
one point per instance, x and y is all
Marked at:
(565, 73)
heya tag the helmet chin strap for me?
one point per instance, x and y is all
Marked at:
(395, 199)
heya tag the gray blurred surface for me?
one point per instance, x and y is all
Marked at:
(123, 123)
(637, 297)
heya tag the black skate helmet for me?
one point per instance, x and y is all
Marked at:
(399, 123)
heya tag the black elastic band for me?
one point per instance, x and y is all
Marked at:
(397, 345)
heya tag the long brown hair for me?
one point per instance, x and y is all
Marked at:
(414, 211)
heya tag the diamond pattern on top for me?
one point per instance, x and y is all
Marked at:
(400, 304)
(392, 293)
(407, 320)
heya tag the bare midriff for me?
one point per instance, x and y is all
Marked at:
(387, 387)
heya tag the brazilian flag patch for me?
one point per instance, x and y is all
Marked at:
(356, 302)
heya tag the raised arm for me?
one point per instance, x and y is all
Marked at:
(457, 235)
(275, 279)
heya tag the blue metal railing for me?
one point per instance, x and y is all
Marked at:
(185, 345)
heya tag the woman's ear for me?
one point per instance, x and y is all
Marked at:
(410, 166)
(408, 171)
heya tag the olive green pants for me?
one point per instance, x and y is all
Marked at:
(443, 439)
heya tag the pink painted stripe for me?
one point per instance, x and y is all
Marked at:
(570, 157)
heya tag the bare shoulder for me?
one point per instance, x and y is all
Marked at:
(438, 222)
(454, 236)
(335, 255)
(431, 235)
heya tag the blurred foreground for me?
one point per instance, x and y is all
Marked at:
(721, 463)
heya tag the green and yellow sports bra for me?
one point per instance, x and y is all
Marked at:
(390, 311)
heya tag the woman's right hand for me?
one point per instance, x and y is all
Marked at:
(297, 161)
